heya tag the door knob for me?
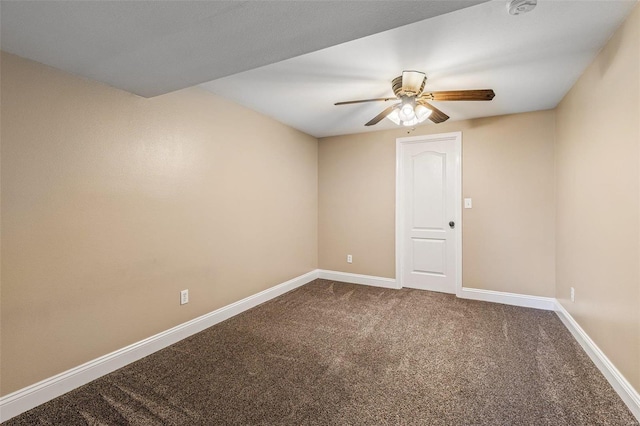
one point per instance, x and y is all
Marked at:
(452, 224)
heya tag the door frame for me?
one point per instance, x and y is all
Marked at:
(456, 139)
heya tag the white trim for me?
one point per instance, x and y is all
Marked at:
(624, 389)
(41, 392)
(347, 277)
(456, 138)
(458, 145)
(31, 396)
(526, 301)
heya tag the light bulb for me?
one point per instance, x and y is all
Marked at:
(406, 112)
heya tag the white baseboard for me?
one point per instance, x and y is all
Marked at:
(537, 302)
(624, 389)
(27, 398)
(347, 277)
(546, 303)
(41, 392)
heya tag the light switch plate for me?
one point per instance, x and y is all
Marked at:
(467, 203)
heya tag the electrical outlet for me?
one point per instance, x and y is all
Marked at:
(349, 258)
(184, 297)
(573, 294)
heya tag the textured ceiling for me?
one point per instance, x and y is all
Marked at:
(155, 47)
(292, 60)
(530, 61)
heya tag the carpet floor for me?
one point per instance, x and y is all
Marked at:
(330, 353)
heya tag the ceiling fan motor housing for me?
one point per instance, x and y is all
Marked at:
(397, 86)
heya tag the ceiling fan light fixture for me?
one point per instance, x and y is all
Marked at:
(397, 117)
(407, 112)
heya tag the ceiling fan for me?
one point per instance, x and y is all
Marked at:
(413, 107)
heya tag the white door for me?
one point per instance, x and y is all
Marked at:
(428, 231)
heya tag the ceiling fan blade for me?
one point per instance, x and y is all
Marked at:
(413, 82)
(364, 100)
(459, 95)
(436, 116)
(382, 115)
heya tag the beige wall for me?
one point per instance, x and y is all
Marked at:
(112, 204)
(598, 199)
(508, 170)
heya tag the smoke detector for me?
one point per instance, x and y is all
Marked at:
(519, 7)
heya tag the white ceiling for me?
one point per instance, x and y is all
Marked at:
(155, 47)
(530, 61)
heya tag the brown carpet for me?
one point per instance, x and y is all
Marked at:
(334, 353)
